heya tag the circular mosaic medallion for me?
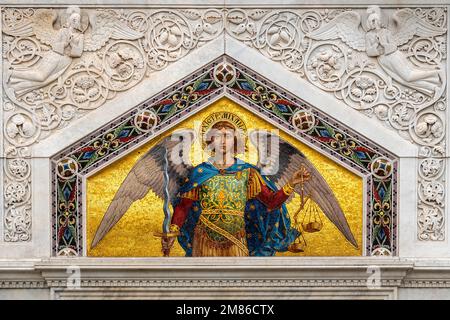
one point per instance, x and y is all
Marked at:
(67, 168)
(224, 73)
(67, 252)
(381, 252)
(303, 120)
(145, 120)
(381, 167)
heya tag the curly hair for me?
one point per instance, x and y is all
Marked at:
(73, 9)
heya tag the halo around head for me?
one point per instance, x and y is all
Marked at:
(220, 116)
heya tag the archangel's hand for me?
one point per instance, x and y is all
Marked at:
(168, 239)
(166, 244)
(300, 176)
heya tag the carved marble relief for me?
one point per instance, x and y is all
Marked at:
(59, 64)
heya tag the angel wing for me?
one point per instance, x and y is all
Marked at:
(40, 24)
(104, 26)
(408, 25)
(43, 26)
(21, 28)
(148, 174)
(344, 26)
(280, 160)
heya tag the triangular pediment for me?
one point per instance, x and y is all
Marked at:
(225, 77)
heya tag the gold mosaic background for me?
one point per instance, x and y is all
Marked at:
(133, 236)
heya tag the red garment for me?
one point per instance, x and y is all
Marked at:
(181, 210)
(272, 200)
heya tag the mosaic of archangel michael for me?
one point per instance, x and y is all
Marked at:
(226, 206)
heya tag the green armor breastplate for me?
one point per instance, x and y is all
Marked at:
(223, 199)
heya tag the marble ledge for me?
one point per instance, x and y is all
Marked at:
(225, 3)
(180, 272)
(214, 262)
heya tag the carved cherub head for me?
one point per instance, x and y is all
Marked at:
(374, 18)
(74, 17)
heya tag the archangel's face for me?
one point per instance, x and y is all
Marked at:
(223, 141)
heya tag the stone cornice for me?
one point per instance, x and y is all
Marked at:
(227, 3)
(276, 273)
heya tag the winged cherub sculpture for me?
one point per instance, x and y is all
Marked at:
(225, 206)
(68, 42)
(379, 41)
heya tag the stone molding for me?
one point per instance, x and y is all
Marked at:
(209, 278)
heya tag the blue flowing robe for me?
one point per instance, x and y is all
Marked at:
(270, 230)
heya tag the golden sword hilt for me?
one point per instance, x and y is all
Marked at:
(173, 233)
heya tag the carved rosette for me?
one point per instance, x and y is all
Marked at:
(17, 197)
(54, 74)
(431, 218)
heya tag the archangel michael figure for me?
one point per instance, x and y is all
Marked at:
(225, 206)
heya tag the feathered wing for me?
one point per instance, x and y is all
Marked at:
(43, 26)
(23, 28)
(344, 26)
(147, 174)
(408, 25)
(104, 26)
(281, 160)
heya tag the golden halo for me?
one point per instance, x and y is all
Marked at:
(216, 117)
